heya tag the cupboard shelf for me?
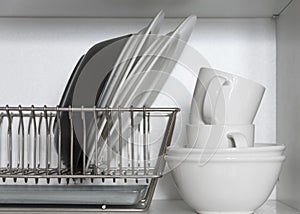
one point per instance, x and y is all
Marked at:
(163, 206)
(141, 9)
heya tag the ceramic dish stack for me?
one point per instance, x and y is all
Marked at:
(102, 128)
(127, 71)
(221, 170)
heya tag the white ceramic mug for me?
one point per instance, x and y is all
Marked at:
(219, 136)
(223, 98)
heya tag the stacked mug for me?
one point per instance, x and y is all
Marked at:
(221, 170)
(223, 109)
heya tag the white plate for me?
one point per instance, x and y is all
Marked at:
(126, 60)
(121, 70)
(140, 79)
(163, 47)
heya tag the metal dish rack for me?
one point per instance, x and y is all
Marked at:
(123, 178)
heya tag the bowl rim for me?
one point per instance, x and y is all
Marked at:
(250, 155)
(262, 148)
(280, 158)
(200, 125)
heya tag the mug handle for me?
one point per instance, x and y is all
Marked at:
(239, 139)
(211, 98)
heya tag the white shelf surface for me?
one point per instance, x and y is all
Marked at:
(179, 207)
(141, 8)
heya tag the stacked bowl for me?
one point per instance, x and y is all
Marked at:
(221, 169)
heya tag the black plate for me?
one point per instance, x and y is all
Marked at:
(83, 89)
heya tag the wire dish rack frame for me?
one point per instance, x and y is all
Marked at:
(131, 154)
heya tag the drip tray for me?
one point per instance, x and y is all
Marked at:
(73, 194)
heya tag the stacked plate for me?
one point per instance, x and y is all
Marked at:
(120, 72)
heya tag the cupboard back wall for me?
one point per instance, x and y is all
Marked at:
(37, 56)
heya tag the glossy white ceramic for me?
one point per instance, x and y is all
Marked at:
(132, 49)
(226, 185)
(223, 136)
(143, 78)
(259, 150)
(223, 98)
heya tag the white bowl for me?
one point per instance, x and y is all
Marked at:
(259, 149)
(226, 185)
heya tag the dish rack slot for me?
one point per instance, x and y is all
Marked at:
(118, 147)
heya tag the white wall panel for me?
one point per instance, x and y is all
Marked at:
(38, 55)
